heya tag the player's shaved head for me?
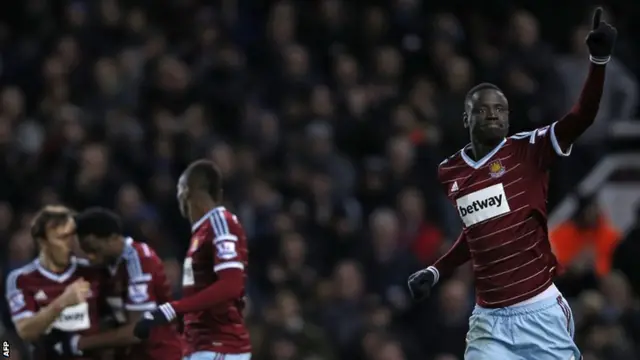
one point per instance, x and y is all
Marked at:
(204, 175)
(478, 88)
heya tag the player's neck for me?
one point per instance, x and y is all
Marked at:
(50, 265)
(480, 150)
(200, 210)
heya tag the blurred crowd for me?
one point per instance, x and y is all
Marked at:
(328, 119)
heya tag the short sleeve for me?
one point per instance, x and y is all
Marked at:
(141, 265)
(20, 299)
(543, 145)
(227, 247)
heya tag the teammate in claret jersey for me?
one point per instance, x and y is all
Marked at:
(213, 274)
(499, 186)
(136, 283)
(57, 293)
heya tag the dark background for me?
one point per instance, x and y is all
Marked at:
(328, 119)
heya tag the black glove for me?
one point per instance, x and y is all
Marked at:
(60, 344)
(163, 315)
(601, 39)
(420, 284)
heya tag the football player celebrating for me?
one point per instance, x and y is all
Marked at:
(56, 291)
(136, 284)
(213, 273)
(499, 186)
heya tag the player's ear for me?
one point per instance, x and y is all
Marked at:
(465, 120)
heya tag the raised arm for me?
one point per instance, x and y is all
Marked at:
(600, 41)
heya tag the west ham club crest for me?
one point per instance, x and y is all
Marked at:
(496, 169)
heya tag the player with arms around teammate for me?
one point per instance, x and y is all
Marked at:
(57, 290)
(499, 186)
(213, 274)
(136, 283)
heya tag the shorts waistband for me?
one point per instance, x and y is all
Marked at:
(521, 310)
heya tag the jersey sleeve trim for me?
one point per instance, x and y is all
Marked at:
(141, 279)
(11, 284)
(220, 227)
(229, 265)
(149, 306)
(556, 145)
(134, 266)
(218, 239)
(22, 315)
(436, 274)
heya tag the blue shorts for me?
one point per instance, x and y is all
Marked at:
(542, 330)
(210, 355)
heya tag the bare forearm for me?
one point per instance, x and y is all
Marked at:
(29, 329)
(456, 256)
(121, 336)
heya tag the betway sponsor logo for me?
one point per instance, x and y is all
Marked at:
(483, 205)
(479, 205)
(74, 318)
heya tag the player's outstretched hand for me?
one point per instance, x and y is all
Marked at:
(62, 344)
(420, 284)
(163, 315)
(601, 39)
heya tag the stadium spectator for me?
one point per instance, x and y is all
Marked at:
(586, 242)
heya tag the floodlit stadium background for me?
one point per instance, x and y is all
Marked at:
(328, 118)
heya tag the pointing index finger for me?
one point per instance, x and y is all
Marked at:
(597, 15)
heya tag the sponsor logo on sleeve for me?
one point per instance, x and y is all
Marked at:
(16, 302)
(483, 205)
(226, 250)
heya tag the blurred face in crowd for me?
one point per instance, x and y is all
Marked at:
(288, 305)
(524, 29)
(21, 248)
(487, 116)
(58, 243)
(283, 349)
(454, 298)
(390, 351)
(101, 250)
(348, 280)
(411, 204)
